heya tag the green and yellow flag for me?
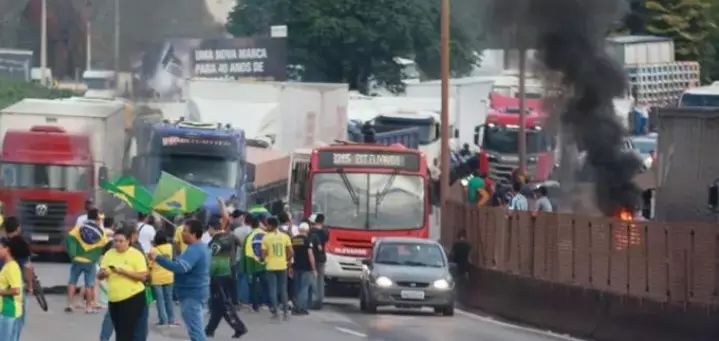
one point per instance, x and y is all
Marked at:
(129, 190)
(175, 195)
(84, 243)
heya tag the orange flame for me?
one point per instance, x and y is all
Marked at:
(625, 214)
(629, 234)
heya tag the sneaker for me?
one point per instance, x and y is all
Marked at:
(286, 315)
(275, 316)
(173, 324)
(239, 334)
(68, 309)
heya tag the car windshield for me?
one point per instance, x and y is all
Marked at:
(644, 146)
(201, 170)
(374, 201)
(410, 254)
(699, 101)
(505, 140)
(29, 175)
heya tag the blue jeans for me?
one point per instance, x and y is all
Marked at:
(317, 288)
(8, 328)
(243, 288)
(107, 327)
(303, 281)
(87, 270)
(165, 304)
(258, 290)
(194, 317)
(277, 286)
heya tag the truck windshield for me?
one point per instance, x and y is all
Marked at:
(505, 140)
(201, 170)
(699, 101)
(395, 201)
(29, 175)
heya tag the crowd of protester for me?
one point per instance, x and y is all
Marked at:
(223, 265)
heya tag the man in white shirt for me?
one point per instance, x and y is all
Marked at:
(83, 218)
(286, 225)
(145, 232)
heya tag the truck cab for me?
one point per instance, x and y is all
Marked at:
(208, 155)
(499, 154)
(46, 176)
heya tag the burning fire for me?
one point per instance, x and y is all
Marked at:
(625, 214)
(626, 235)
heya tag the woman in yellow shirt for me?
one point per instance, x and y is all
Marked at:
(125, 269)
(162, 280)
(11, 304)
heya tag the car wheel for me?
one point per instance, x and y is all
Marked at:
(448, 311)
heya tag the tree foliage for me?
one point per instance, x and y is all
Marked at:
(356, 41)
(13, 90)
(692, 25)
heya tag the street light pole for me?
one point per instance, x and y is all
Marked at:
(522, 140)
(444, 144)
(43, 43)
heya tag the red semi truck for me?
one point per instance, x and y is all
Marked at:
(53, 152)
(499, 154)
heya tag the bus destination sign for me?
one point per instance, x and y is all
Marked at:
(380, 159)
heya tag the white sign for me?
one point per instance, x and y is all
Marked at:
(279, 31)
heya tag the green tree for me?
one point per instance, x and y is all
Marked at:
(692, 26)
(355, 41)
(13, 90)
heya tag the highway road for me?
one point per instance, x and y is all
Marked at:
(341, 320)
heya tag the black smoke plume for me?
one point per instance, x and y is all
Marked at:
(569, 36)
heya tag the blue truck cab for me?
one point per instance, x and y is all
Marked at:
(207, 155)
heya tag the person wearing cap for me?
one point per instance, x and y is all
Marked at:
(303, 267)
(223, 249)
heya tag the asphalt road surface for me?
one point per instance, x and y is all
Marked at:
(341, 320)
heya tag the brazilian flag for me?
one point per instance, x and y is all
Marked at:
(129, 190)
(84, 243)
(174, 195)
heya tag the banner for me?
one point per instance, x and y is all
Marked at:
(164, 68)
(15, 63)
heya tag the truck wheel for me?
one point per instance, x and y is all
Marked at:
(445, 311)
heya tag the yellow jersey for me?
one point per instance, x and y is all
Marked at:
(11, 277)
(120, 288)
(274, 245)
(158, 274)
(178, 238)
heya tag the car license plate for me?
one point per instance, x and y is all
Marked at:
(39, 237)
(412, 295)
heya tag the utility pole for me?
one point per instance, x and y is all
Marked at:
(43, 43)
(522, 140)
(444, 141)
(117, 41)
(88, 35)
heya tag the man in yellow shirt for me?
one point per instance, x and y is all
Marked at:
(11, 306)
(277, 252)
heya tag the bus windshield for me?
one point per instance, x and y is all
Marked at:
(374, 201)
(201, 170)
(505, 140)
(699, 101)
(58, 177)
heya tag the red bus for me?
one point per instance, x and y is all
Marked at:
(366, 191)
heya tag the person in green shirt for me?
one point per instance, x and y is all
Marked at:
(476, 192)
(223, 274)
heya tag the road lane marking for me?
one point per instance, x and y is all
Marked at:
(535, 331)
(350, 331)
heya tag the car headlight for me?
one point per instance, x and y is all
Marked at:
(383, 281)
(441, 284)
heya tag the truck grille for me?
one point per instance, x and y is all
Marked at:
(46, 218)
(501, 172)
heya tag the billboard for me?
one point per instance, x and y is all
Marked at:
(16, 63)
(164, 68)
